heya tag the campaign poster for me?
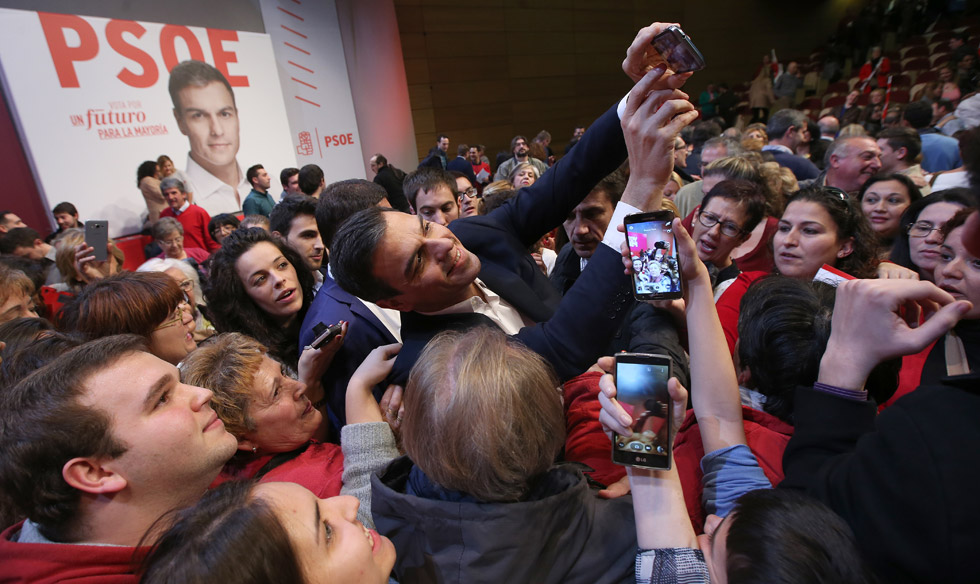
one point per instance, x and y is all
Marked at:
(91, 98)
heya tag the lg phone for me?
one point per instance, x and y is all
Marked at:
(641, 381)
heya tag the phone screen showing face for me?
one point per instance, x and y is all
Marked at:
(656, 272)
(641, 382)
(678, 50)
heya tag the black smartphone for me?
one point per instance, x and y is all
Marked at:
(656, 271)
(678, 51)
(324, 334)
(97, 236)
(641, 381)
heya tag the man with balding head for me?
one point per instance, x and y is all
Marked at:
(689, 196)
(829, 126)
(851, 161)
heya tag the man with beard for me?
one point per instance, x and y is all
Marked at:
(521, 154)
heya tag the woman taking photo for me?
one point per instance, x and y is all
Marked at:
(884, 198)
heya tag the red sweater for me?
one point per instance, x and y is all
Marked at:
(766, 435)
(729, 304)
(43, 563)
(320, 468)
(195, 222)
(585, 441)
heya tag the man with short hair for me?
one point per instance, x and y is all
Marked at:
(787, 129)
(194, 219)
(939, 152)
(433, 195)
(851, 161)
(293, 220)
(205, 110)
(26, 243)
(577, 133)
(9, 220)
(462, 164)
(369, 325)
(311, 180)
(850, 112)
(785, 87)
(959, 48)
(900, 146)
(521, 153)
(944, 117)
(66, 216)
(829, 127)
(390, 179)
(437, 158)
(259, 201)
(98, 445)
(289, 178)
(689, 196)
(428, 272)
(481, 169)
(680, 160)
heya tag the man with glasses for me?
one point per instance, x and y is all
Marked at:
(194, 219)
(469, 195)
(728, 214)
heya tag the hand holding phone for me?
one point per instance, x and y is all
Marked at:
(678, 51)
(641, 382)
(97, 237)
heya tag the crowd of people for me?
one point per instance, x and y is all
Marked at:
(198, 419)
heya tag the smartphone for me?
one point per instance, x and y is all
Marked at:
(641, 381)
(324, 334)
(97, 236)
(677, 50)
(653, 250)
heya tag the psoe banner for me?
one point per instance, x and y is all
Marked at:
(313, 74)
(92, 100)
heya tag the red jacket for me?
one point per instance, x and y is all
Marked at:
(585, 441)
(767, 437)
(43, 563)
(320, 468)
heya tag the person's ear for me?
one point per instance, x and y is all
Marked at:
(846, 248)
(395, 303)
(902, 153)
(246, 445)
(90, 475)
(37, 242)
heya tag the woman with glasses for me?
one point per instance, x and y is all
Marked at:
(918, 247)
(169, 235)
(883, 200)
(147, 304)
(189, 282)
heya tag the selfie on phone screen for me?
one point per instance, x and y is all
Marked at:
(654, 257)
(643, 385)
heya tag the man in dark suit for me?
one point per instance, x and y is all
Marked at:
(787, 129)
(462, 164)
(368, 325)
(390, 179)
(477, 271)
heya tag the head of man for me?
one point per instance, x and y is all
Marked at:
(728, 214)
(289, 179)
(680, 152)
(342, 199)
(66, 215)
(205, 110)
(294, 220)
(442, 142)
(941, 108)
(401, 261)
(469, 195)
(24, 242)
(473, 155)
(16, 295)
(377, 162)
(851, 161)
(793, 68)
(918, 115)
(519, 146)
(578, 132)
(586, 224)
(310, 179)
(729, 168)
(829, 126)
(9, 220)
(957, 40)
(107, 426)
(173, 192)
(258, 178)
(788, 128)
(433, 195)
(900, 146)
(852, 98)
(716, 149)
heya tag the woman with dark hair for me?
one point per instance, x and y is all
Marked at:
(923, 222)
(148, 181)
(221, 226)
(148, 304)
(254, 288)
(819, 226)
(883, 200)
(250, 533)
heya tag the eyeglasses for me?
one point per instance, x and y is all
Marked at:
(921, 229)
(837, 193)
(178, 315)
(728, 228)
(472, 193)
(172, 242)
(186, 286)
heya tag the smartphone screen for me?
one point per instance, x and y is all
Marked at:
(97, 236)
(678, 51)
(641, 381)
(656, 273)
